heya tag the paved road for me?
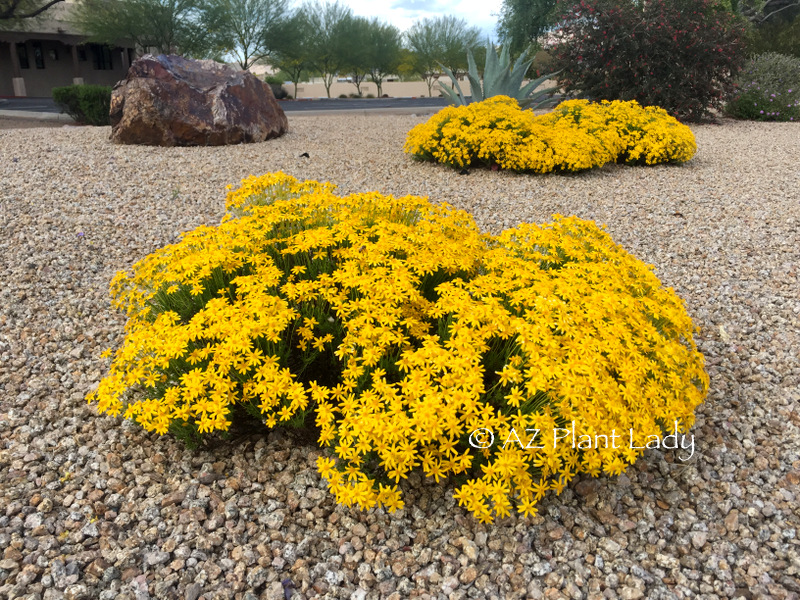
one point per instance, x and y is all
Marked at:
(46, 105)
(40, 105)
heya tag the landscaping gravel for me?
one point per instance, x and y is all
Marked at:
(92, 507)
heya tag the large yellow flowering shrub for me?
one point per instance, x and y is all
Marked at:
(409, 339)
(575, 136)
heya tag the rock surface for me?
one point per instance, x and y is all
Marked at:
(173, 101)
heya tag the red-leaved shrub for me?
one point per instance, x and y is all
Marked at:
(681, 55)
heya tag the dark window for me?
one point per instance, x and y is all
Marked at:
(22, 53)
(53, 54)
(38, 55)
(82, 53)
(102, 57)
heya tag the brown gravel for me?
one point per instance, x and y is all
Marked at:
(91, 507)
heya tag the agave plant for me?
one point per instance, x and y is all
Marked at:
(499, 79)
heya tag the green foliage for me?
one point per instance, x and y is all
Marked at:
(88, 104)
(190, 28)
(291, 49)
(384, 52)
(440, 40)
(353, 45)
(681, 55)
(768, 89)
(500, 78)
(525, 21)
(326, 48)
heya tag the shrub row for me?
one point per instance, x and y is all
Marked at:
(575, 136)
(398, 329)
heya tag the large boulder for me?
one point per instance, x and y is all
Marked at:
(174, 101)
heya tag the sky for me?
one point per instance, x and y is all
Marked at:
(403, 13)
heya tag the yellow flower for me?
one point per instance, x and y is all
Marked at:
(384, 321)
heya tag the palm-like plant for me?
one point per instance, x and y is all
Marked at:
(499, 79)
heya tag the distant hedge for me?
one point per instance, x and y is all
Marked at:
(89, 104)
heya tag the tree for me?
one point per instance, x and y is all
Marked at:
(354, 48)
(186, 27)
(249, 26)
(290, 46)
(326, 22)
(422, 41)
(14, 10)
(406, 67)
(681, 55)
(455, 38)
(441, 41)
(523, 22)
(384, 49)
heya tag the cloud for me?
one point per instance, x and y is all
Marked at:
(420, 6)
(403, 13)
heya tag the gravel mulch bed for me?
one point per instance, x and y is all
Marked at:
(91, 507)
(23, 123)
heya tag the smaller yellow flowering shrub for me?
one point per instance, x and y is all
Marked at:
(577, 135)
(406, 337)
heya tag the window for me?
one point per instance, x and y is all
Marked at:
(82, 53)
(53, 54)
(22, 53)
(102, 57)
(38, 55)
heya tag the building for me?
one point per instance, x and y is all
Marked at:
(50, 51)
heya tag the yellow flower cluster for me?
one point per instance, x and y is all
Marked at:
(405, 331)
(575, 136)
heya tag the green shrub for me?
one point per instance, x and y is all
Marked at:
(768, 89)
(88, 104)
(274, 79)
(681, 55)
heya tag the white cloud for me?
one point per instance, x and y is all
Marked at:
(403, 13)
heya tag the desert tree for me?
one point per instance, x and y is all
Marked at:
(440, 41)
(327, 23)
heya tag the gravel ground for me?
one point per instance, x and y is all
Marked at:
(23, 123)
(91, 507)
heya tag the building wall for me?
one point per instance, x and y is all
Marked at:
(6, 73)
(394, 89)
(56, 67)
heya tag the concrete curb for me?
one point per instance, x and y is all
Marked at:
(39, 116)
